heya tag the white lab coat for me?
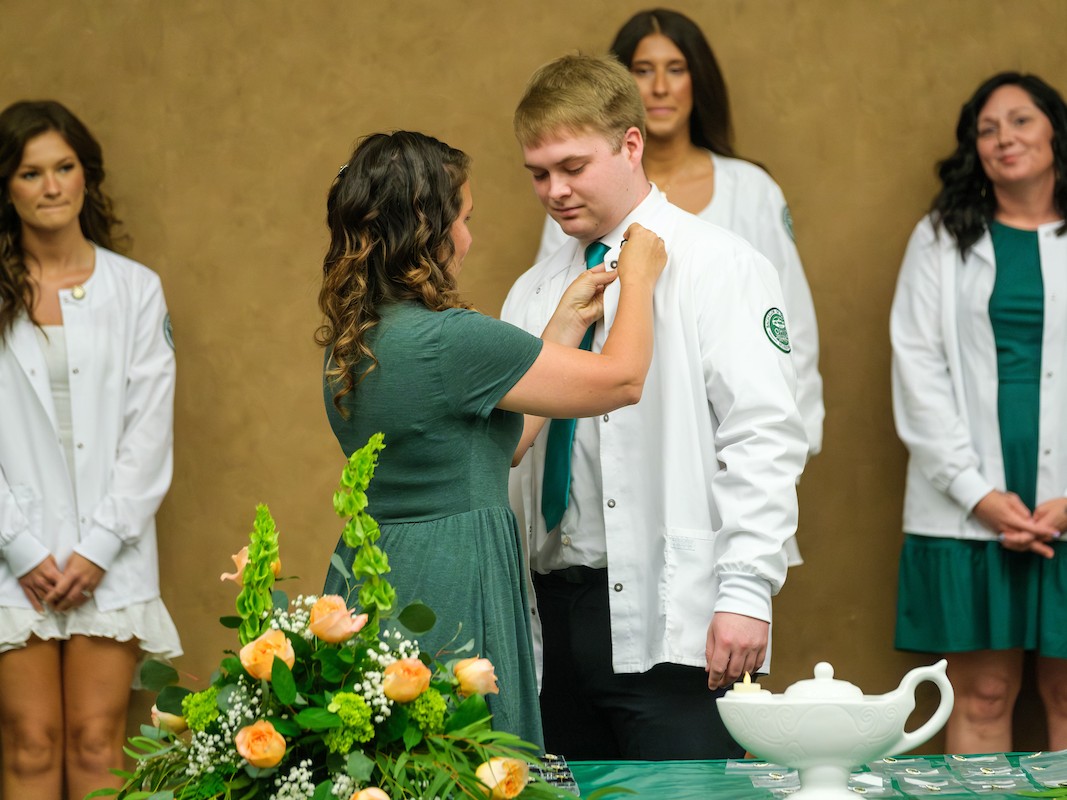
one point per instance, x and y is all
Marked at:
(748, 202)
(699, 476)
(945, 379)
(122, 372)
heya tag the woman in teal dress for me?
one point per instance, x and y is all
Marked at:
(449, 387)
(980, 394)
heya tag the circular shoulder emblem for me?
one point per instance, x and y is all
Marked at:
(168, 331)
(774, 327)
(787, 220)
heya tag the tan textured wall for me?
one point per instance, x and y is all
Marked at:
(224, 122)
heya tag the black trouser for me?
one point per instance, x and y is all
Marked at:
(592, 714)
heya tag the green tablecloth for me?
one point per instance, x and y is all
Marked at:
(696, 780)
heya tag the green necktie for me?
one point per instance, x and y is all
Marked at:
(556, 487)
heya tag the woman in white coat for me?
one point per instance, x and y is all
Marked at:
(87, 387)
(689, 155)
(979, 336)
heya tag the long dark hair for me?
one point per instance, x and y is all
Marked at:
(19, 123)
(710, 125)
(390, 213)
(966, 203)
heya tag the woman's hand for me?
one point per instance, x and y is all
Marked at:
(643, 255)
(581, 306)
(76, 585)
(1053, 512)
(39, 582)
(1018, 529)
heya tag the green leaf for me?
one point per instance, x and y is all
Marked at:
(323, 791)
(472, 710)
(412, 736)
(170, 699)
(359, 767)
(155, 675)
(338, 564)
(417, 618)
(607, 791)
(231, 622)
(318, 719)
(231, 666)
(282, 683)
(286, 727)
(280, 599)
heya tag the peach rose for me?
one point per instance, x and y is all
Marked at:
(173, 723)
(260, 745)
(476, 676)
(240, 560)
(258, 655)
(405, 680)
(504, 778)
(333, 622)
(370, 793)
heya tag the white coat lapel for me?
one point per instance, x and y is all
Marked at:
(27, 351)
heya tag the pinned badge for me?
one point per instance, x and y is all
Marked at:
(774, 327)
(77, 292)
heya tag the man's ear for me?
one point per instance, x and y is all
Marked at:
(633, 143)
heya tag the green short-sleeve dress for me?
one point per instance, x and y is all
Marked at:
(440, 492)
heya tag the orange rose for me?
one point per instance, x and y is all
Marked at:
(332, 621)
(240, 560)
(504, 778)
(168, 722)
(260, 745)
(405, 680)
(370, 793)
(258, 655)
(476, 676)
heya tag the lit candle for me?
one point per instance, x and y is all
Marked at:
(748, 686)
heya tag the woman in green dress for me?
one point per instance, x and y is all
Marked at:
(979, 393)
(449, 388)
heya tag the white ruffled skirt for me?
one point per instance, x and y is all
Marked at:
(148, 622)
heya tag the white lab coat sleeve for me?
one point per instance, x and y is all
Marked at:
(552, 238)
(774, 240)
(141, 473)
(759, 441)
(21, 549)
(925, 406)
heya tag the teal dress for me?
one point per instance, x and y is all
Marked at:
(440, 492)
(963, 595)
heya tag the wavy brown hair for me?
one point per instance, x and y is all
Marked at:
(19, 123)
(390, 213)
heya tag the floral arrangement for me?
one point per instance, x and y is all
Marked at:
(322, 701)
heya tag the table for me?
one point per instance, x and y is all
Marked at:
(698, 780)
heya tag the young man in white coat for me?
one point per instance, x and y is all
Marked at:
(656, 532)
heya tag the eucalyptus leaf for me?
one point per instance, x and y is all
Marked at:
(170, 699)
(359, 767)
(280, 599)
(417, 618)
(155, 675)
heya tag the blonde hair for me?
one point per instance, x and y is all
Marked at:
(580, 92)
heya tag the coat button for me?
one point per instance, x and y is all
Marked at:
(611, 504)
(566, 540)
(605, 418)
(75, 370)
(617, 587)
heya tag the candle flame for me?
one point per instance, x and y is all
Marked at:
(748, 678)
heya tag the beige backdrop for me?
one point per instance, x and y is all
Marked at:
(223, 123)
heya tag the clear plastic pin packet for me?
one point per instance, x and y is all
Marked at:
(999, 782)
(977, 765)
(871, 784)
(942, 783)
(555, 771)
(890, 765)
(748, 765)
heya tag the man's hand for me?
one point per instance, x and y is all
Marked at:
(736, 644)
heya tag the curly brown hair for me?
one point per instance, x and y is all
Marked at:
(390, 213)
(19, 123)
